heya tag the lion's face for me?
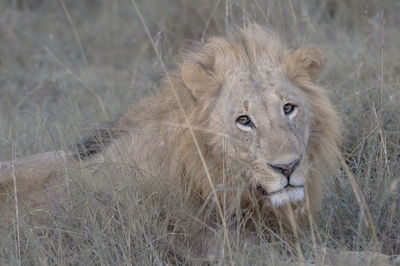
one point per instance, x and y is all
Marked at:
(266, 123)
(269, 121)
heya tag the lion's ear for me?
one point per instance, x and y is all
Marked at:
(306, 60)
(195, 78)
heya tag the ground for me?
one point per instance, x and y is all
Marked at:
(69, 67)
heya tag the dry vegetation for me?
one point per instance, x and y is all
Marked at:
(68, 67)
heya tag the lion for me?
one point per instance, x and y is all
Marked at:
(240, 124)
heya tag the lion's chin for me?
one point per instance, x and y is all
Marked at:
(286, 196)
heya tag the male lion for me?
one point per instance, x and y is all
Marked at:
(241, 124)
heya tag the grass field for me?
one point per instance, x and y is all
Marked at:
(69, 66)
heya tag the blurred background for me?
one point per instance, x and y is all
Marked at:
(69, 66)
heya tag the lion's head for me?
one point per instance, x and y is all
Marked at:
(264, 112)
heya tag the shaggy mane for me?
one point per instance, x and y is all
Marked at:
(248, 45)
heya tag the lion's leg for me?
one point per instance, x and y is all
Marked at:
(33, 172)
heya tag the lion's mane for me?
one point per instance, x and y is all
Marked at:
(183, 113)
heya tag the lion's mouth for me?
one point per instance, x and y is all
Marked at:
(288, 194)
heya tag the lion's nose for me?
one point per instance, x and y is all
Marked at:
(286, 169)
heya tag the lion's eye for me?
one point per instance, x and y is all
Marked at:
(244, 122)
(244, 119)
(289, 108)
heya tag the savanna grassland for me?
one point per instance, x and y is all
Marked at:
(69, 67)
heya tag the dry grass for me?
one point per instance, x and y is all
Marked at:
(67, 67)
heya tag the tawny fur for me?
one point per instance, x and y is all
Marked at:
(155, 136)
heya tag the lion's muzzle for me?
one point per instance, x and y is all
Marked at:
(290, 188)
